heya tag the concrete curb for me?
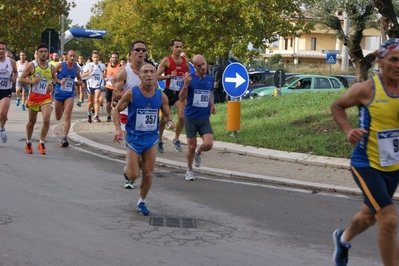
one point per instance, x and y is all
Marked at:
(243, 150)
(240, 149)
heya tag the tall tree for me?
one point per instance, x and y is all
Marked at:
(388, 20)
(24, 20)
(209, 27)
(362, 14)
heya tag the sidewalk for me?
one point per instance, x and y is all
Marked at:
(235, 161)
(225, 159)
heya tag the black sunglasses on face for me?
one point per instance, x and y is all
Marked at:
(140, 49)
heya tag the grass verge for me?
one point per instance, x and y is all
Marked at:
(299, 122)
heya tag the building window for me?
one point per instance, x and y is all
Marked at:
(371, 43)
(291, 43)
(285, 44)
(313, 44)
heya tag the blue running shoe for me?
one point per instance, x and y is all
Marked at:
(160, 147)
(17, 102)
(23, 107)
(142, 209)
(340, 256)
(176, 143)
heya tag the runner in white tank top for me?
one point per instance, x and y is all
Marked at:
(21, 90)
(125, 79)
(8, 76)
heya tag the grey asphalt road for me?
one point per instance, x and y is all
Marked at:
(69, 208)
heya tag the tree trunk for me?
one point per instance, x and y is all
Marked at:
(362, 66)
(388, 17)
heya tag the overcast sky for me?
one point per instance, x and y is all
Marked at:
(81, 13)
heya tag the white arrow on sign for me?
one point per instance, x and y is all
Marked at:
(95, 34)
(238, 80)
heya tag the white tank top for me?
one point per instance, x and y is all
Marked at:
(21, 67)
(131, 78)
(5, 74)
(81, 71)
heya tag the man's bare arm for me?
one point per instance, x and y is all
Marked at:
(161, 69)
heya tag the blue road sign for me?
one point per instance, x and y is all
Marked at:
(161, 84)
(331, 59)
(235, 79)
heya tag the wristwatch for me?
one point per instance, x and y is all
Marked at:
(168, 76)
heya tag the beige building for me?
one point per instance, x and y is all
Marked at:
(307, 48)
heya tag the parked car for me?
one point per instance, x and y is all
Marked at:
(256, 77)
(268, 82)
(347, 80)
(302, 83)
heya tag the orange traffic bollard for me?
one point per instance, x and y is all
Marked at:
(233, 115)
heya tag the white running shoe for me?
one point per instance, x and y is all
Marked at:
(3, 135)
(197, 159)
(190, 175)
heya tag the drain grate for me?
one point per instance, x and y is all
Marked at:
(173, 222)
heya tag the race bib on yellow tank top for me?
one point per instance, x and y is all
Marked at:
(40, 88)
(388, 146)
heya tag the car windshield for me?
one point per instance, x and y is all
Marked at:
(269, 81)
(290, 80)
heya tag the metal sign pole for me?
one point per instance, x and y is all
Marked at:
(62, 35)
(49, 42)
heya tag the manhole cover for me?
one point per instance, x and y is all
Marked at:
(173, 222)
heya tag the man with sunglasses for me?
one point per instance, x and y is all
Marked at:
(125, 79)
(172, 68)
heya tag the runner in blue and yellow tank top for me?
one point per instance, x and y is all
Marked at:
(375, 160)
(42, 76)
(380, 119)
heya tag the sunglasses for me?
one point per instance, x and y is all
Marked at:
(140, 50)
